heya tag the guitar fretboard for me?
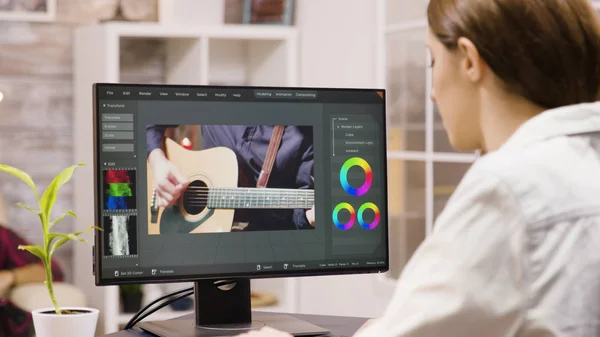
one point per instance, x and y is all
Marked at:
(260, 198)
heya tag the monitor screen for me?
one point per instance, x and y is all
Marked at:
(206, 182)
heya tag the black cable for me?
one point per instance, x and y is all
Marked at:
(169, 301)
(154, 302)
(129, 324)
(134, 320)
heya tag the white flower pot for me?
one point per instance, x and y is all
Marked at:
(49, 324)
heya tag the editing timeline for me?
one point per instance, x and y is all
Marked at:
(353, 146)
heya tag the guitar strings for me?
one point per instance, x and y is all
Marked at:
(245, 195)
(207, 195)
(250, 193)
(265, 201)
(247, 190)
(262, 201)
(201, 195)
(202, 199)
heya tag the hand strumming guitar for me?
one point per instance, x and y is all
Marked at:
(168, 180)
(310, 216)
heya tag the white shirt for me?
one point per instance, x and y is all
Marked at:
(516, 251)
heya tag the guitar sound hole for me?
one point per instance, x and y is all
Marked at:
(195, 197)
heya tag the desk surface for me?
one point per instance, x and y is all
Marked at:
(339, 326)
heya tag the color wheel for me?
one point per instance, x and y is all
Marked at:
(362, 209)
(356, 161)
(336, 221)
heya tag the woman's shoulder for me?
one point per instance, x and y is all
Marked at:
(558, 159)
(548, 178)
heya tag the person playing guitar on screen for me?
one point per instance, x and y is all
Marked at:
(293, 168)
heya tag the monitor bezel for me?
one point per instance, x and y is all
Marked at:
(97, 256)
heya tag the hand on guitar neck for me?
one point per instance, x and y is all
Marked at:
(170, 183)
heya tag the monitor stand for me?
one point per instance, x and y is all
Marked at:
(226, 311)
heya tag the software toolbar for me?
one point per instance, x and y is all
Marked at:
(236, 94)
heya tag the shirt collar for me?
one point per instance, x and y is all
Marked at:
(563, 121)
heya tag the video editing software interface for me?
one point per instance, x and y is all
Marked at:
(179, 188)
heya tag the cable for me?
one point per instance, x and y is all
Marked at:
(134, 320)
(169, 301)
(129, 324)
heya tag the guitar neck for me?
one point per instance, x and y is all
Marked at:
(266, 198)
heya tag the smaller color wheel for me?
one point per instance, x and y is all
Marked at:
(336, 221)
(361, 220)
(353, 191)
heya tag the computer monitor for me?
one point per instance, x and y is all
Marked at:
(205, 183)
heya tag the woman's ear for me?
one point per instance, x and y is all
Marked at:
(471, 64)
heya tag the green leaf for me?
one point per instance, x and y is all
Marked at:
(49, 197)
(21, 175)
(64, 238)
(31, 209)
(35, 250)
(61, 217)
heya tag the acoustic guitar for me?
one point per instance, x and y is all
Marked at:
(209, 202)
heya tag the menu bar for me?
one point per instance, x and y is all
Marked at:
(285, 94)
(210, 93)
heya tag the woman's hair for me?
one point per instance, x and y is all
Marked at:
(547, 51)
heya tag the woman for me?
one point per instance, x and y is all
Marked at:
(516, 252)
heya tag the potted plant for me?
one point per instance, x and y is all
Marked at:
(56, 321)
(131, 297)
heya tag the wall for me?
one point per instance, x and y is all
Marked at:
(337, 43)
(339, 48)
(36, 113)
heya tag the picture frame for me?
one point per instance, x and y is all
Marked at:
(279, 13)
(28, 10)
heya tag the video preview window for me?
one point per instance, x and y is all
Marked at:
(205, 179)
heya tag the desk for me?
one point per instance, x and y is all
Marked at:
(339, 326)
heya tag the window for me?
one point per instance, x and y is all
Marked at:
(423, 168)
